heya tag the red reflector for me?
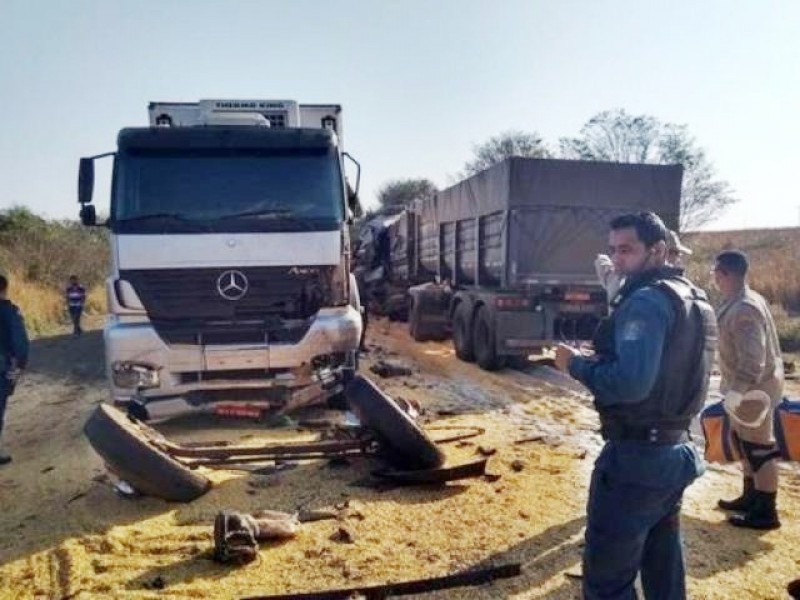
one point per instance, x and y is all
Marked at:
(572, 296)
(512, 302)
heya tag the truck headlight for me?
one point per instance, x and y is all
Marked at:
(134, 376)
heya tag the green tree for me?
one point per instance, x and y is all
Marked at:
(395, 195)
(502, 146)
(617, 136)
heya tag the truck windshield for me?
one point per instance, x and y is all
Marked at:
(212, 192)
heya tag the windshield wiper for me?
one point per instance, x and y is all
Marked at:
(156, 217)
(274, 213)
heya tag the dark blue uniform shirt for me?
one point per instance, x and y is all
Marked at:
(641, 324)
(13, 337)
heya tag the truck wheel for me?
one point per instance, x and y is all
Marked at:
(127, 448)
(415, 328)
(406, 445)
(462, 333)
(484, 342)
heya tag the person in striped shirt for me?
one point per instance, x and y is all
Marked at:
(76, 298)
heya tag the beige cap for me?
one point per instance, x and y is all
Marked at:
(674, 242)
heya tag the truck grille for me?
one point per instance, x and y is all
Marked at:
(187, 306)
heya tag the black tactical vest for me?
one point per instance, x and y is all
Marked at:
(681, 386)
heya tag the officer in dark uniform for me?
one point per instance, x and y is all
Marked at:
(649, 377)
(13, 354)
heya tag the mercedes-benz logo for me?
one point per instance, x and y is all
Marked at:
(232, 285)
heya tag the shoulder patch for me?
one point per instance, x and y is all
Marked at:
(633, 330)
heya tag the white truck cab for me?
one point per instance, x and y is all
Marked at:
(230, 287)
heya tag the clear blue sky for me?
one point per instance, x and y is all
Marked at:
(421, 81)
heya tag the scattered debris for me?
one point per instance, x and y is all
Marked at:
(275, 525)
(463, 433)
(77, 496)
(551, 440)
(447, 412)
(236, 535)
(517, 465)
(440, 475)
(534, 438)
(343, 536)
(159, 583)
(492, 477)
(388, 369)
(234, 539)
(486, 451)
(309, 516)
(47, 469)
(406, 588)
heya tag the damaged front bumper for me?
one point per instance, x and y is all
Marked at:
(170, 379)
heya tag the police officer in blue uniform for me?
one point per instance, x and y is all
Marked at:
(13, 354)
(649, 376)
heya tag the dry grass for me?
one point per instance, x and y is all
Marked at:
(38, 256)
(44, 307)
(774, 258)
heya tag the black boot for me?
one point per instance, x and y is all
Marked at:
(742, 503)
(761, 514)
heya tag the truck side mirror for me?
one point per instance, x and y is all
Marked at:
(85, 181)
(88, 215)
(353, 203)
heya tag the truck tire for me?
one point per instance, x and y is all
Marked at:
(462, 333)
(422, 331)
(126, 446)
(484, 342)
(415, 327)
(405, 444)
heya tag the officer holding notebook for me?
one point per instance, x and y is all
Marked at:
(649, 377)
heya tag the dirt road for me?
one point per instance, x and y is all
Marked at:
(64, 533)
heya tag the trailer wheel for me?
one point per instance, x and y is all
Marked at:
(415, 327)
(126, 445)
(484, 341)
(406, 445)
(462, 333)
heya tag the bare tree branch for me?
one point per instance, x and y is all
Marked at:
(616, 136)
